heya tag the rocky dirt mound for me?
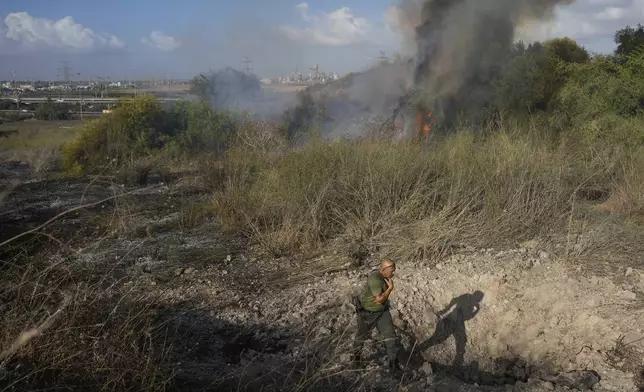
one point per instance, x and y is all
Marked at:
(521, 319)
(541, 323)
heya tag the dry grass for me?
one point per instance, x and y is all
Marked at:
(38, 134)
(36, 142)
(193, 214)
(490, 190)
(103, 338)
(74, 325)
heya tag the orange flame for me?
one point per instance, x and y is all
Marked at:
(427, 125)
(424, 123)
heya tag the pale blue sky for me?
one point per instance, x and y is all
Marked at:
(145, 38)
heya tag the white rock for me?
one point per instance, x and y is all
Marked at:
(627, 295)
(427, 369)
(629, 271)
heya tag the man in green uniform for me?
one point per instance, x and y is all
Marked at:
(374, 312)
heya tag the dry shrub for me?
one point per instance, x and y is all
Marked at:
(118, 221)
(627, 193)
(192, 214)
(256, 147)
(488, 188)
(40, 159)
(211, 173)
(138, 171)
(618, 202)
(105, 338)
(37, 144)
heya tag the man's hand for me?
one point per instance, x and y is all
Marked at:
(390, 283)
(383, 297)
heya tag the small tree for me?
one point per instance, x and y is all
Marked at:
(303, 117)
(566, 50)
(222, 89)
(49, 111)
(138, 127)
(203, 129)
(628, 39)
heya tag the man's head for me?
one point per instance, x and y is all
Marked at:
(387, 268)
(477, 296)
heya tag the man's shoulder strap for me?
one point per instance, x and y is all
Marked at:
(375, 274)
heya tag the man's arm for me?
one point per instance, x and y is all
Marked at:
(447, 308)
(478, 307)
(381, 298)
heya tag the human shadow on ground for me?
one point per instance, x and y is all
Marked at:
(451, 322)
(465, 307)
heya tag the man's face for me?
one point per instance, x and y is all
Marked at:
(388, 271)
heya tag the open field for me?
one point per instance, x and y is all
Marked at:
(36, 133)
(35, 143)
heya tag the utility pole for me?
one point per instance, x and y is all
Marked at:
(65, 68)
(80, 96)
(15, 90)
(247, 61)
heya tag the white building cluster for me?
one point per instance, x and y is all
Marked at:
(314, 76)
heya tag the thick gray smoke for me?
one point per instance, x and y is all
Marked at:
(352, 102)
(456, 49)
(229, 88)
(461, 45)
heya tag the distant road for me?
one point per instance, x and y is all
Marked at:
(33, 111)
(85, 100)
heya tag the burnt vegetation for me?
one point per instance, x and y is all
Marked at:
(552, 123)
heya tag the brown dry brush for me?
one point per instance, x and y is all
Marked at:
(73, 325)
(484, 189)
(96, 333)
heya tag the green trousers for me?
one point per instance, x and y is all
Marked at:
(381, 320)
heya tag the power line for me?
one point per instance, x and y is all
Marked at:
(247, 62)
(65, 68)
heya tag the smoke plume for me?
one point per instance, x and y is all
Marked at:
(461, 46)
(229, 88)
(455, 51)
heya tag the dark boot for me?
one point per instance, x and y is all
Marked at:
(395, 368)
(356, 361)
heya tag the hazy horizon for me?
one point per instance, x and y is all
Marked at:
(146, 39)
